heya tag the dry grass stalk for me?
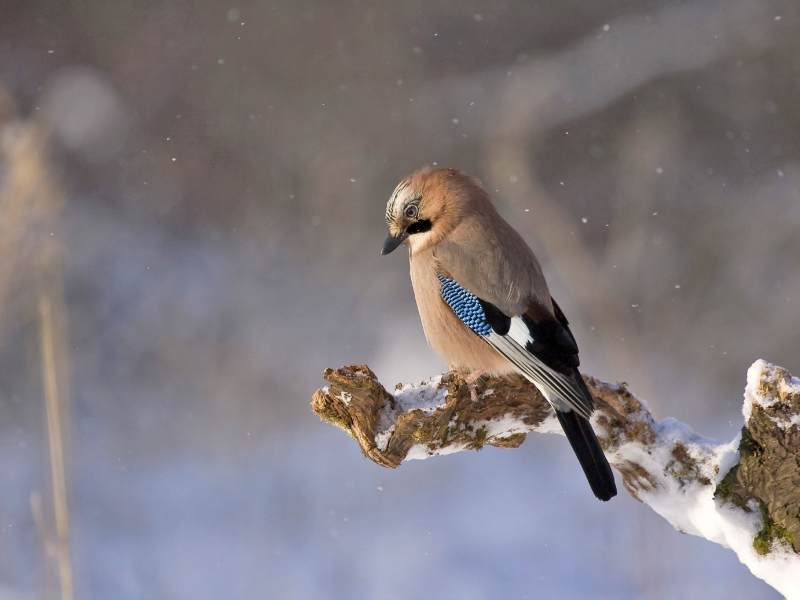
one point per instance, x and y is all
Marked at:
(30, 206)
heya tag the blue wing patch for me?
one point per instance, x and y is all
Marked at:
(465, 305)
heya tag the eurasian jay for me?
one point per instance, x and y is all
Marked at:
(484, 302)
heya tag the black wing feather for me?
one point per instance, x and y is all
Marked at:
(553, 342)
(553, 364)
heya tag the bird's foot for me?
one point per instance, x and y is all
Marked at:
(472, 381)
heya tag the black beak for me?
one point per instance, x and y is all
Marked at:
(393, 242)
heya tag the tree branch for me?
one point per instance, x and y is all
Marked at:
(744, 494)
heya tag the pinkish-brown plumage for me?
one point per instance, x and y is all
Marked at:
(484, 302)
(470, 242)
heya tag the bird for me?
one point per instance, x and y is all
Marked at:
(484, 303)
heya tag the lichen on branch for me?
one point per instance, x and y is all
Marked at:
(744, 494)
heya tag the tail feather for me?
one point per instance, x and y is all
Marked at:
(584, 442)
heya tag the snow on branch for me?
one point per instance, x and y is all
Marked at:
(743, 494)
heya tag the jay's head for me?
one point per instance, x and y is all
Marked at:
(427, 205)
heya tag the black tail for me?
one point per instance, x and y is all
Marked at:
(584, 442)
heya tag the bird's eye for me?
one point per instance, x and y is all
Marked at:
(411, 211)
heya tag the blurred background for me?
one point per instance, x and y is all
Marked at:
(191, 210)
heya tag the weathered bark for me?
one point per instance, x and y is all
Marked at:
(713, 490)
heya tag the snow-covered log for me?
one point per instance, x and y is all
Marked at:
(743, 494)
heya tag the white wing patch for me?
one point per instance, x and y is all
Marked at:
(519, 332)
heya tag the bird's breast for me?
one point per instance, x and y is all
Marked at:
(462, 348)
